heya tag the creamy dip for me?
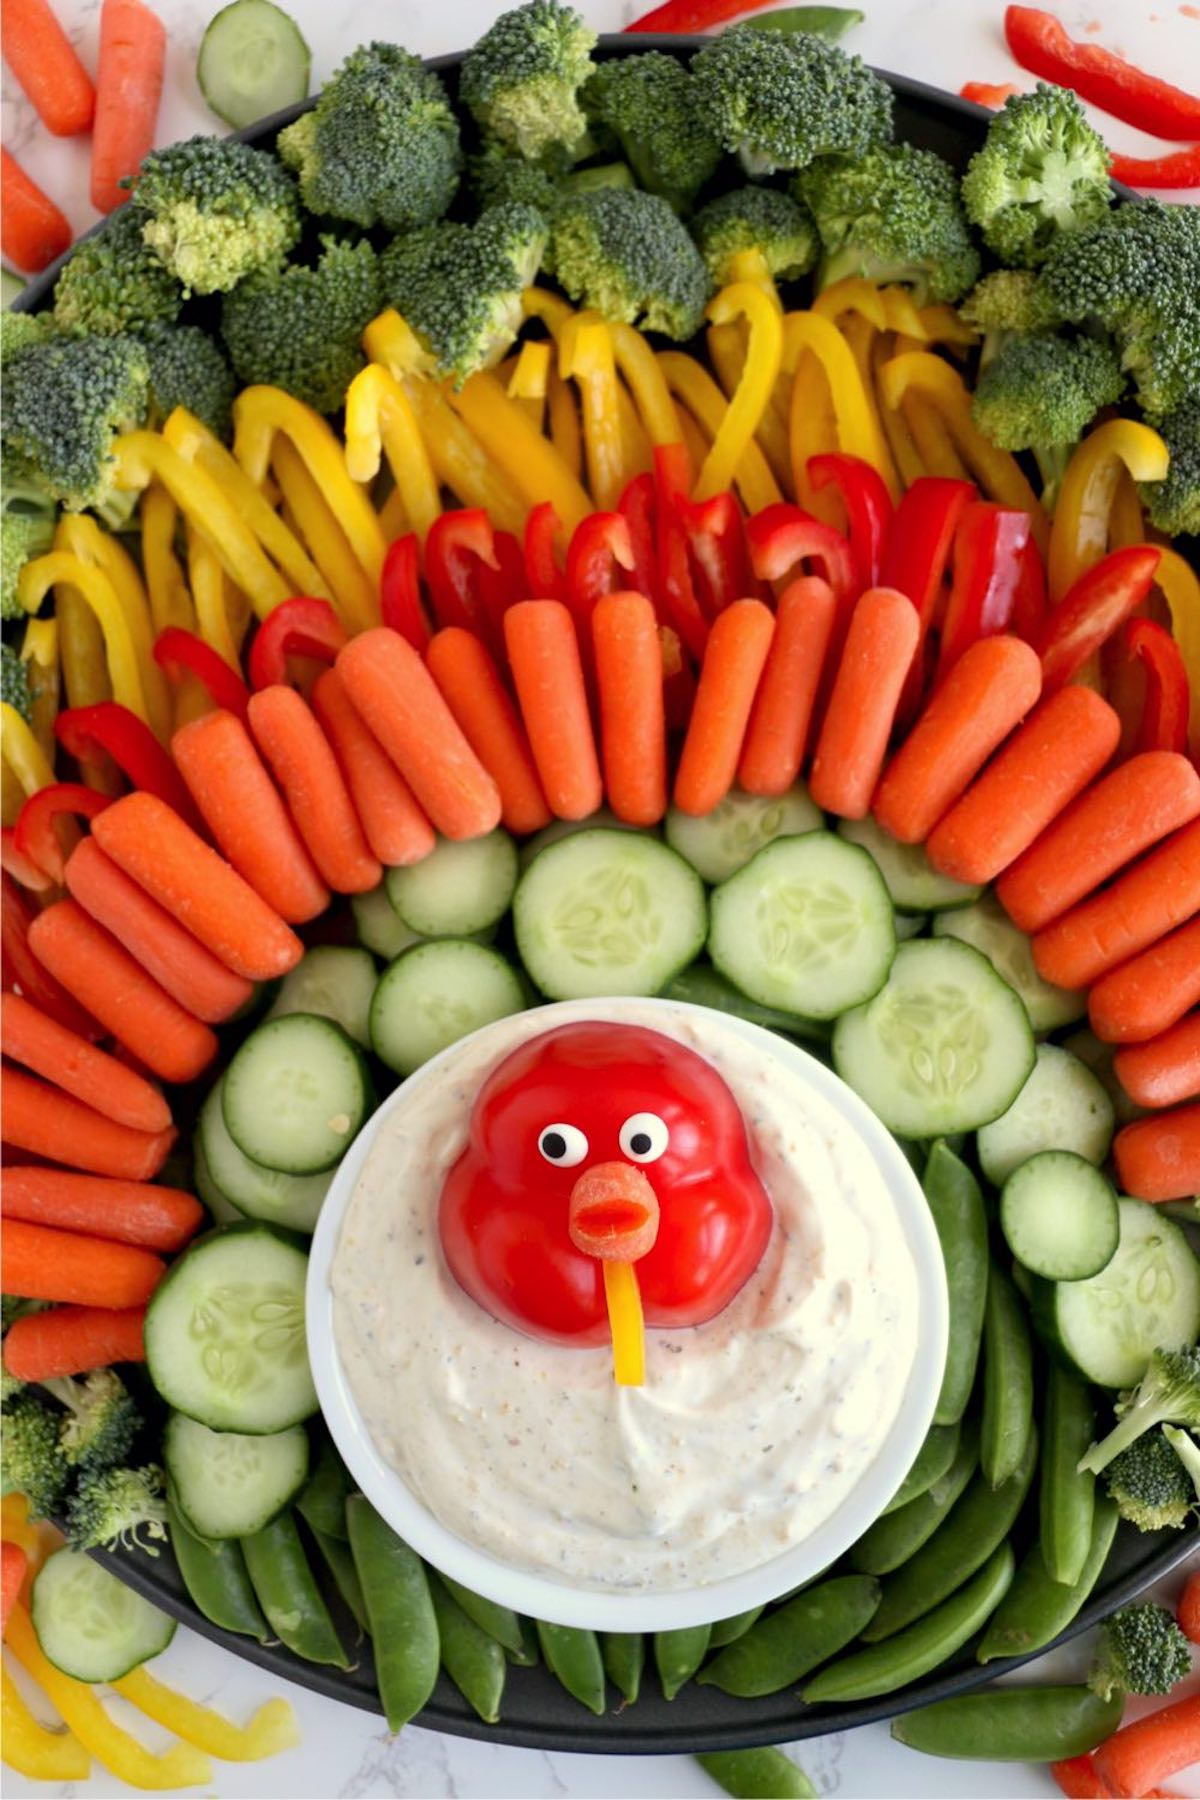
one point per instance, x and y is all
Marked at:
(750, 1430)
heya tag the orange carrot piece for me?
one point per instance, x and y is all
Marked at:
(13, 1566)
(547, 671)
(470, 684)
(46, 1122)
(1138, 1756)
(1166, 1069)
(113, 986)
(1078, 1780)
(1108, 928)
(302, 762)
(1188, 1612)
(986, 694)
(143, 836)
(37, 1263)
(881, 642)
(777, 735)
(43, 59)
(32, 229)
(131, 1212)
(71, 1340)
(633, 729)
(735, 656)
(394, 825)
(228, 780)
(1158, 1158)
(129, 80)
(397, 698)
(1151, 992)
(1061, 747)
(71, 1063)
(1134, 807)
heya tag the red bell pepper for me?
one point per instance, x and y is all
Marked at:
(676, 595)
(543, 577)
(916, 553)
(400, 591)
(24, 872)
(178, 652)
(782, 535)
(716, 538)
(988, 93)
(868, 507)
(21, 972)
(1088, 614)
(34, 833)
(1040, 44)
(1164, 719)
(457, 543)
(599, 555)
(1181, 169)
(693, 15)
(111, 729)
(1029, 605)
(299, 627)
(989, 548)
(638, 506)
(503, 586)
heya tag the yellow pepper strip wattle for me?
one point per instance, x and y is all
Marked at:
(901, 313)
(764, 353)
(1179, 583)
(512, 440)
(273, 1728)
(698, 393)
(551, 309)
(529, 377)
(566, 433)
(1126, 521)
(751, 265)
(585, 355)
(856, 295)
(354, 595)
(625, 1323)
(1085, 498)
(22, 752)
(860, 334)
(638, 368)
(460, 461)
(208, 591)
(812, 428)
(380, 420)
(120, 652)
(39, 653)
(79, 535)
(727, 353)
(858, 431)
(170, 598)
(31, 1748)
(921, 419)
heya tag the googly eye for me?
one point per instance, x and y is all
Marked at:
(644, 1137)
(562, 1145)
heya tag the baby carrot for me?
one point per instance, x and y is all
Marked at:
(1108, 928)
(397, 698)
(633, 730)
(239, 803)
(179, 870)
(71, 1340)
(880, 644)
(777, 735)
(1139, 803)
(39, 1043)
(1166, 1069)
(543, 653)
(132, 1212)
(1188, 1611)
(32, 229)
(1045, 765)
(43, 59)
(37, 1263)
(1158, 1158)
(1138, 1756)
(986, 694)
(46, 1122)
(13, 1567)
(1151, 992)
(470, 684)
(305, 767)
(129, 79)
(734, 658)
(395, 828)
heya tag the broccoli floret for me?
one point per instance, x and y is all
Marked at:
(118, 1506)
(1168, 1394)
(1150, 1484)
(23, 535)
(1141, 1651)
(626, 254)
(1040, 393)
(14, 681)
(599, 175)
(892, 215)
(1174, 504)
(650, 105)
(522, 80)
(34, 1464)
(65, 400)
(781, 99)
(22, 331)
(1042, 174)
(381, 146)
(213, 210)
(1187, 1450)
(755, 229)
(1005, 304)
(499, 178)
(300, 328)
(101, 1420)
(115, 282)
(187, 368)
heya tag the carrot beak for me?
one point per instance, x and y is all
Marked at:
(613, 1215)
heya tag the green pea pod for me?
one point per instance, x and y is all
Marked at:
(1012, 1724)
(341, 1566)
(624, 1655)
(529, 1654)
(976, 1527)
(764, 1774)
(931, 1462)
(403, 1624)
(958, 1214)
(795, 1638)
(1037, 1607)
(1007, 1381)
(214, 1573)
(500, 1622)
(727, 1631)
(472, 1658)
(882, 1668)
(573, 1657)
(1068, 1497)
(322, 1501)
(829, 22)
(892, 1539)
(678, 1654)
(285, 1589)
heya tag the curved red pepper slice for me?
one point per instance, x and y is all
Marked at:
(599, 555)
(1181, 169)
(299, 627)
(543, 577)
(677, 596)
(638, 506)
(400, 592)
(716, 537)
(502, 586)
(868, 507)
(22, 870)
(1099, 603)
(457, 543)
(1029, 608)
(989, 548)
(177, 651)
(21, 972)
(111, 728)
(782, 535)
(1040, 44)
(1164, 718)
(34, 834)
(989, 93)
(916, 552)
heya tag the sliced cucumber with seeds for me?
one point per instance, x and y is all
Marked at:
(601, 820)
(253, 61)
(701, 985)
(253, 1191)
(225, 1332)
(295, 1094)
(607, 912)
(336, 982)
(807, 926)
(437, 993)
(457, 890)
(90, 1624)
(379, 926)
(1059, 1217)
(1061, 1107)
(228, 1484)
(945, 1046)
(912, 881)
(987, 927)
(721, 842)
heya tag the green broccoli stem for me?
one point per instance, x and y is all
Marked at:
(1141, 1416)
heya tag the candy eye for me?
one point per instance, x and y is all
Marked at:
(644, 1137)
(563, 1145)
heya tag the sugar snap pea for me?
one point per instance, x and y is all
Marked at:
(764, 1774)
(322, 1501)
(285, 1589)
(1037, 1607)
(882, 1668)
(573, 1657)
(678, 1654)
(795, 1638)
(214, 1573)
(1066, 1501)
(1012, 1724)
(958, 1214)
(472, 1658)
(624, 1656)
(727, 1631)
(500, 1622)
(830, 22)
(1007, 1381)
(529, 1654)
(340, 1562)
(892, 1539)
(929, 1465)
(400, 1609)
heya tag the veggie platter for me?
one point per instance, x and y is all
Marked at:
(575, 598)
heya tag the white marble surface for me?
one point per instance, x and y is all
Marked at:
(347, 1753)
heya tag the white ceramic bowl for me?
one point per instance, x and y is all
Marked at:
(560, 1603)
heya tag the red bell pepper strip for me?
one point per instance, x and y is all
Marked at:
(693, 15)
(177, 652)
(782, 535)
(868, 507)
(1040, 44)
(599, 555)
(677, 597)
(1097, 605)
(916, 553)
(543, 577)
(716, 536)
(456, 544)
(1029, 604)
(20, 970)
(638, 506)
(299, 627)
(1164, 720)
(26, 873)
(505, 585)
(1181, 169)
(989, 550)
(400, 591)
(34, 832)
(112, 729)
(988, 93)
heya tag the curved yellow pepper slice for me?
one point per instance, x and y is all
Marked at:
(39, 651)
(901, 313)
(585, 355)
(274, 1726)
(512, 440)
(1179, 583)
(551, 309)
(97, 590)
(694, 387)
(625, 1323)
(526, 378)
(80, 536)
(22, 752)
(30, 1748)
(941, 324)
(727, 353)
(1126, 522)
(566, 433)
(460, 461)
(853, 294)
(639, 368)
(861, 334)
(170, 599)
(1085, 499)
(379, 419)
(858, 432)
(764, 354)
(211, 598)
(905, 454)
(354, 595)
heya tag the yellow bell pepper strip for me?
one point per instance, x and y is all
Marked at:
(512, 440)
(853, 295)
(764, 353)
(208, 591)
(16, 1527)
(380, 419)
(551, 309)
(30, 1748)
(625, 1323)
(273, 1728)
(901, 313)
(636, 448)
(121, 1754)
(858, 431)
(460, 461)
(727, 354)
(905, 453)
(585, 355)
(694, 387)
(1126, 521)
(22, 752)
(355, 597)
(97, 590)
(566, 433)
(934, 444)
(170, 598)
(529, 377)
(941, 324)
(638, 368)
(1085, 498)
(393, 517)
(39, 652)
(692, 436)
(1180, 585)
(81, 536)
(860, 334)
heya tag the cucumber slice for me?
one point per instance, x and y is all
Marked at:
(701, 985)
(228, 1483)
(336, 982)
(254, 1192)
(295, 1094)
(1059, 1217)
(602, 819)
(721, 842)
(912, 881)
(459, 889)
(607, 912)
(909, 925)
(989, 929)
(945, 1046)
(379, 926)
(253, 61)
(12, 286)
(1061, 1107)
(225, 1332)
(89, 1624)
(1098, 1057)
(437, 993)
(222, 1209)
(1147, 1298)
(806, 926)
